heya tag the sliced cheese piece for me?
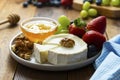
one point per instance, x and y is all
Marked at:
(63, 55)
(41, 52)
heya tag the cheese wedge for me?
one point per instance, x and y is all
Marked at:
(41, 52)
(63, 55)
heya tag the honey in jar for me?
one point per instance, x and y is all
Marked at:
(38, 28)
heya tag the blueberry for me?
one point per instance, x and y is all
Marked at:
(84, 1)
(92, 51)
(52, 3)
(34, 3)
(39, 4)
(98, 2)
(91, 1)
(47, 4)
(55, 3)
(25, 4)
(29, 1)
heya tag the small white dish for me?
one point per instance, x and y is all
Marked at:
(33, 64)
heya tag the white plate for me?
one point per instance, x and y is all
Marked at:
(33, 64)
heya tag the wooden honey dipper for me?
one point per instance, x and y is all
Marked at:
(12, 19)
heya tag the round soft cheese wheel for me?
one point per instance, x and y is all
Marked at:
(64, 55)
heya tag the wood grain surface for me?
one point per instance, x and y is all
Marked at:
(11, 70)
(109, 11)
(8, 65)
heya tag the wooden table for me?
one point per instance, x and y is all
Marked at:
(11, 70)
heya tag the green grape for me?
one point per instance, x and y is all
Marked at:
(105, 2)
(64, 21)
(64, 27)
(92, 12)
(61, 29)
(64, 31)
(115, 2)
(86, 5)
(83, 14)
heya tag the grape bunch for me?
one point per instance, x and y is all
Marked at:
(87, 11)
(115, 3)
(111, 3)
(64, 24)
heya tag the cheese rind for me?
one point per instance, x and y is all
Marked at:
(60, 58)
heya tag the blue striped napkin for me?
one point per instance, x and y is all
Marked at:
(107, 65)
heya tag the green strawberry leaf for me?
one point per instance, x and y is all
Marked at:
(79, 23)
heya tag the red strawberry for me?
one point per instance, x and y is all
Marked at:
(95, 38)
(67, 2)
(77, 28)
(97, 24)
